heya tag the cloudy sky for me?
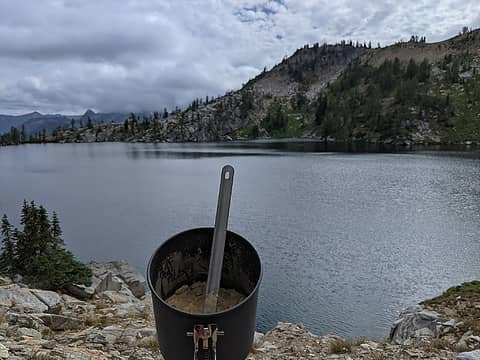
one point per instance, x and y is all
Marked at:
(142, 55)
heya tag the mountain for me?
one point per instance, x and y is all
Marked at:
(409, 92)
(35, 122)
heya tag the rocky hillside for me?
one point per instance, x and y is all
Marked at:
(409, 92)
(113, 319)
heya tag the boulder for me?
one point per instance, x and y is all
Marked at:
(109, 282)
(80, 291)
(418, 323)
(135, 282)
(120, 269)
(24, 320)
(28, 333)
(23, 300)
(470, 355)
(49, 298)
(60, 322)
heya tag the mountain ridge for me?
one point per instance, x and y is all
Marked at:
(408, 92)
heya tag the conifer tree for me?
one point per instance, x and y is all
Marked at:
(7, 257)
(89, 123)
(38, 251)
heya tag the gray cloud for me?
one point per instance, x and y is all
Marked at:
(110, 55)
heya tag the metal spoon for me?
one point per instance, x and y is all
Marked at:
(218, 245)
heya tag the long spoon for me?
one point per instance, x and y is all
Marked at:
(218, 245)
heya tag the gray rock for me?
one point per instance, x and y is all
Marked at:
(416, 322)
(80, 291)
(109, 282)
(135, 282)
(4, 352)
(60, 322)
(471, 355)
(121, 269)
(26, 332)
(23, 300)
(24, 320)
(49, 298)
(257, 340)
(5, 281)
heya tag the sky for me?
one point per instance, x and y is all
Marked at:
(66, 56)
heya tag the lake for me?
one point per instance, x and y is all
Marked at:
(347, 239)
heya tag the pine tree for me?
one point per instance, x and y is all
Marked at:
(7, 257)
(23, 134)
(89, 123)
(38, 251)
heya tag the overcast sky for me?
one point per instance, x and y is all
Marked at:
(142, 55)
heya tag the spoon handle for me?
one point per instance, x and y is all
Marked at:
(219, 236)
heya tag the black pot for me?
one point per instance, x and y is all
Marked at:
(183, 260)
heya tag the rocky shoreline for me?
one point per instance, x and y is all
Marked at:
(113, 319)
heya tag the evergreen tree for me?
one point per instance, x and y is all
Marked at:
(321, 109)
(89, 123)
(38, 251)
(7, 257)
(412, 69)
(23, 134)
(165, 113)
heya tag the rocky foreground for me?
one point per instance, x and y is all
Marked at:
(113, 319)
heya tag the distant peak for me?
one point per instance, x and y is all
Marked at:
(89, 112)
(35, 113)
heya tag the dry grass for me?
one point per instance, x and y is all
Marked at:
(38, 355)
(141, 315)
(100, 321)
(377, 355)
(437, 344)
(48, 334)
(341, 347)
(102, 304)
(149, 343)
(461, 303)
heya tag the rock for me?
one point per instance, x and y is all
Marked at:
(5, 281)
(80, 291)
(32, 333)
(60, 322)
(116, 297)
(134, 281)
(416, 322)
(23, 300)
(146, 332)
(257, 340)
(471, 355)
(132, 309)
(108, 283)
(49, 298)
(4, 352)
(24, 320)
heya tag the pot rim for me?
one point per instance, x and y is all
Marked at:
(152, 288)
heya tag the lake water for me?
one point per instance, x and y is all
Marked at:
(347, 239)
